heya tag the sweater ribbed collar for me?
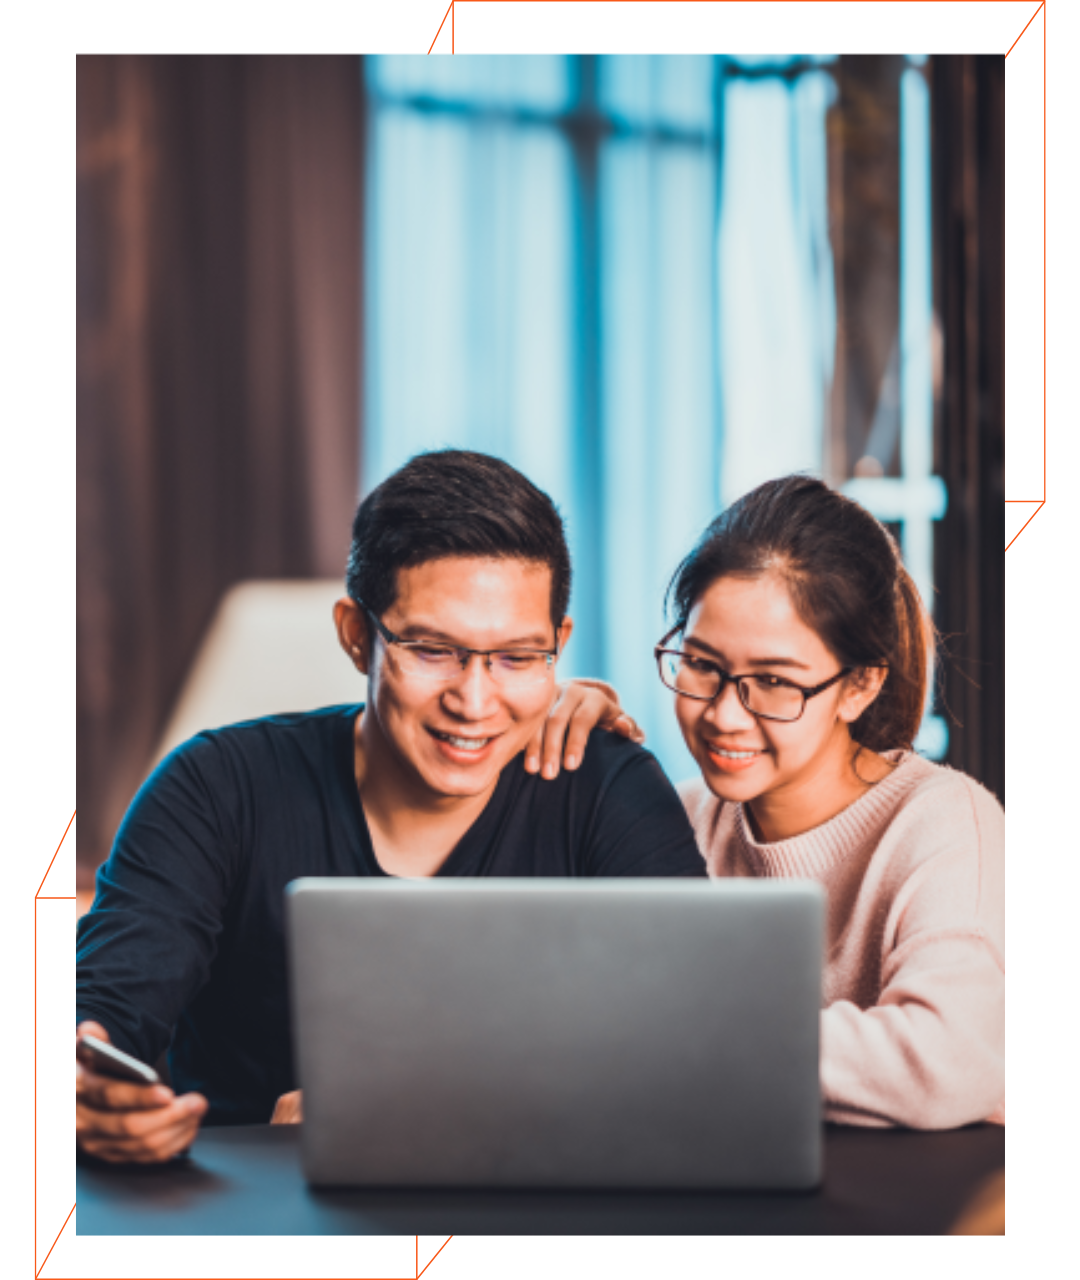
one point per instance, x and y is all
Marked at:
(818, 850)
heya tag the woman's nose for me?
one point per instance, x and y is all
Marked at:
(726, 712)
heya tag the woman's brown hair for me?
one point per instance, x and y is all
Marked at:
(847, 582)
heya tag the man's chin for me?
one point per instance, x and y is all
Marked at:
(456, 775)
(461, 783)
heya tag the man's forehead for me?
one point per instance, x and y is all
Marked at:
(500, 599)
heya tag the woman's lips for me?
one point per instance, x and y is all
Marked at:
(732, 759)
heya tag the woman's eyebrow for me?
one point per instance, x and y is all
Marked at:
(753, 662)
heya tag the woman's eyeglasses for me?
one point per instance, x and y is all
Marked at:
(768, 696)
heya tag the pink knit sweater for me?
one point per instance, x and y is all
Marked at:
(913, 1024)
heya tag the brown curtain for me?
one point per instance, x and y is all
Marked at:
(218, 298)
(968, 95)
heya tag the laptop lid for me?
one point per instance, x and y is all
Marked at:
(619, 1033)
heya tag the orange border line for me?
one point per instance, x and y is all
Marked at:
(38, 898)
(50, 899)
(443, 24)
(433, 1256)
(1028, 24)
(53, 859)
(54, 1243)
(1025, 524)
(1041, 501)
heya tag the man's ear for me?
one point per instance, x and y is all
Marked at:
(563, 633)
(352, 630)
(860, 689)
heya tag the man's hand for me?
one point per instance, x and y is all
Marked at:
(120, 1121)
(289, 1109)
(582, 705)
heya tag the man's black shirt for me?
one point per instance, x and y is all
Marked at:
(187, 927)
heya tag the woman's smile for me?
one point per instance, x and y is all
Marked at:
(732, 759)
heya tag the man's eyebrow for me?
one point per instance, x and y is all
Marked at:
(753, 662)
(421, 631)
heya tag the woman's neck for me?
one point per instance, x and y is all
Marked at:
(834, 780)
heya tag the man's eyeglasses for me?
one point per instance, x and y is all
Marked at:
(429, 660)
(768, 696)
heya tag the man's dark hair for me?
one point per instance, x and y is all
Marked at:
(452, 502)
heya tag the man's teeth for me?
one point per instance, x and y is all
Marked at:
(464, 744)
(734, 755)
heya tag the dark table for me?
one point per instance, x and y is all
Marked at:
(247, 1181)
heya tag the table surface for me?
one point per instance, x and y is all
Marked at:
(247, 1181)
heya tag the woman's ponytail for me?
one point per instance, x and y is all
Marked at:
(893, 718)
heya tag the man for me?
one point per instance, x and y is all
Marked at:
(458, 583)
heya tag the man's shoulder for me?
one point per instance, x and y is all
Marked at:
(267, 750)
(610, 754)
(616, 771)
(299, 727)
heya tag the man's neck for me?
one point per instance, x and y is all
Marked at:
(413, 830)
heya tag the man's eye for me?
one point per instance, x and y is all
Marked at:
(770, 682)
(433, 653)
(518, 661)
(700, 665)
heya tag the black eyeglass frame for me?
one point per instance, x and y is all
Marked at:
(736, 680)
(462, 652)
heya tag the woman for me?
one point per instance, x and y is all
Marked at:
(799, 660)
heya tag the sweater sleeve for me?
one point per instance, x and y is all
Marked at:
(930, 1053)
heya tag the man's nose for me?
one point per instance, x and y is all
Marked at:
(726, 712)
(473, 694)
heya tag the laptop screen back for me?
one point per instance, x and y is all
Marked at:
(558, 1033)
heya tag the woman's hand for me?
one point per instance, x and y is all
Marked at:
(288, 1109)
(582, 705)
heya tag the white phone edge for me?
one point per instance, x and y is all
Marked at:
(147, 1075)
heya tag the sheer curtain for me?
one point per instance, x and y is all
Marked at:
(775, 274)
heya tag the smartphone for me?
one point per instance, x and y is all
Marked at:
(109, 1061)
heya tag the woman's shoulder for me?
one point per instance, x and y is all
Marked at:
(944, 829)
(940, 858)
(939, 795)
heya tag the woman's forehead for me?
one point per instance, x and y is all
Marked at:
(753, 618)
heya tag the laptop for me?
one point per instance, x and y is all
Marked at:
(557, 1033)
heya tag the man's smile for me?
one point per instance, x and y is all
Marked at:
(464, 748)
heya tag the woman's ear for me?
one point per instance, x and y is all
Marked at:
(352, 633)
(860, 689)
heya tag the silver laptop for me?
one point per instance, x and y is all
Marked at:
(558, 1033)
